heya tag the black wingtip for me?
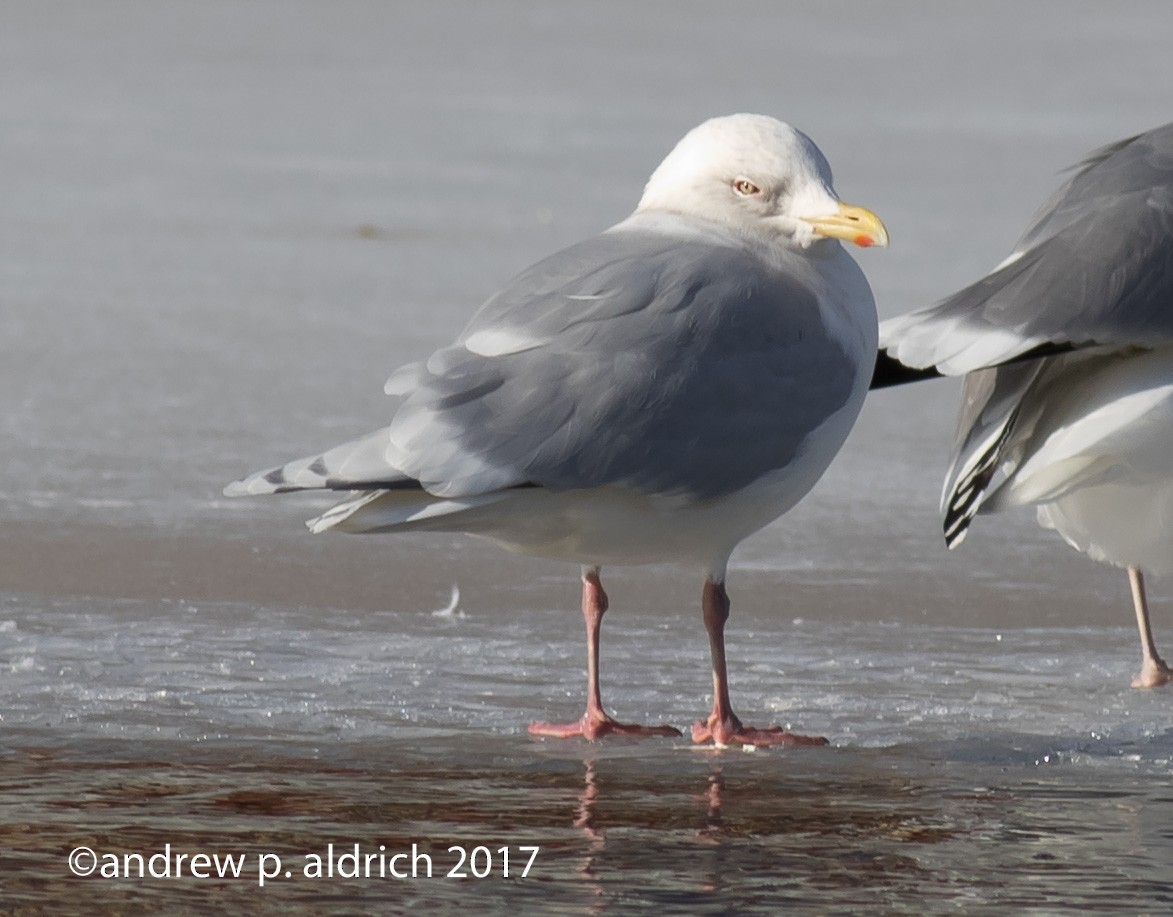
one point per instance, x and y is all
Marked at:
(890, 372)
(970, 491)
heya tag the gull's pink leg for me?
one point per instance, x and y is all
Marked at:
(723, 727)
(1153, 671)
(595, 722)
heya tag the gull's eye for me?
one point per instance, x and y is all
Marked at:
(745, 187)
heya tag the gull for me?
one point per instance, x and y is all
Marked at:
(653, 394)
(1079, 422)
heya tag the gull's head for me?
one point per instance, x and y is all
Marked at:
(758, 175)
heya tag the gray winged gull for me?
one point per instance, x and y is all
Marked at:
(655, 393)
(1080, 423)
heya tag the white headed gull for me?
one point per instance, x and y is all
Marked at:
(655, 393)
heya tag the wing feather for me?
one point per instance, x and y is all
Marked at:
(1094, 267)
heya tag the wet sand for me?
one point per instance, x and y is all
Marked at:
(625, 830)
(227, 223)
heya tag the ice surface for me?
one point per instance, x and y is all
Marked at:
(223, 225)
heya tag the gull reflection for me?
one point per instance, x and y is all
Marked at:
(585, 819)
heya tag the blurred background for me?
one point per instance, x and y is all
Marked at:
(224, 224)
